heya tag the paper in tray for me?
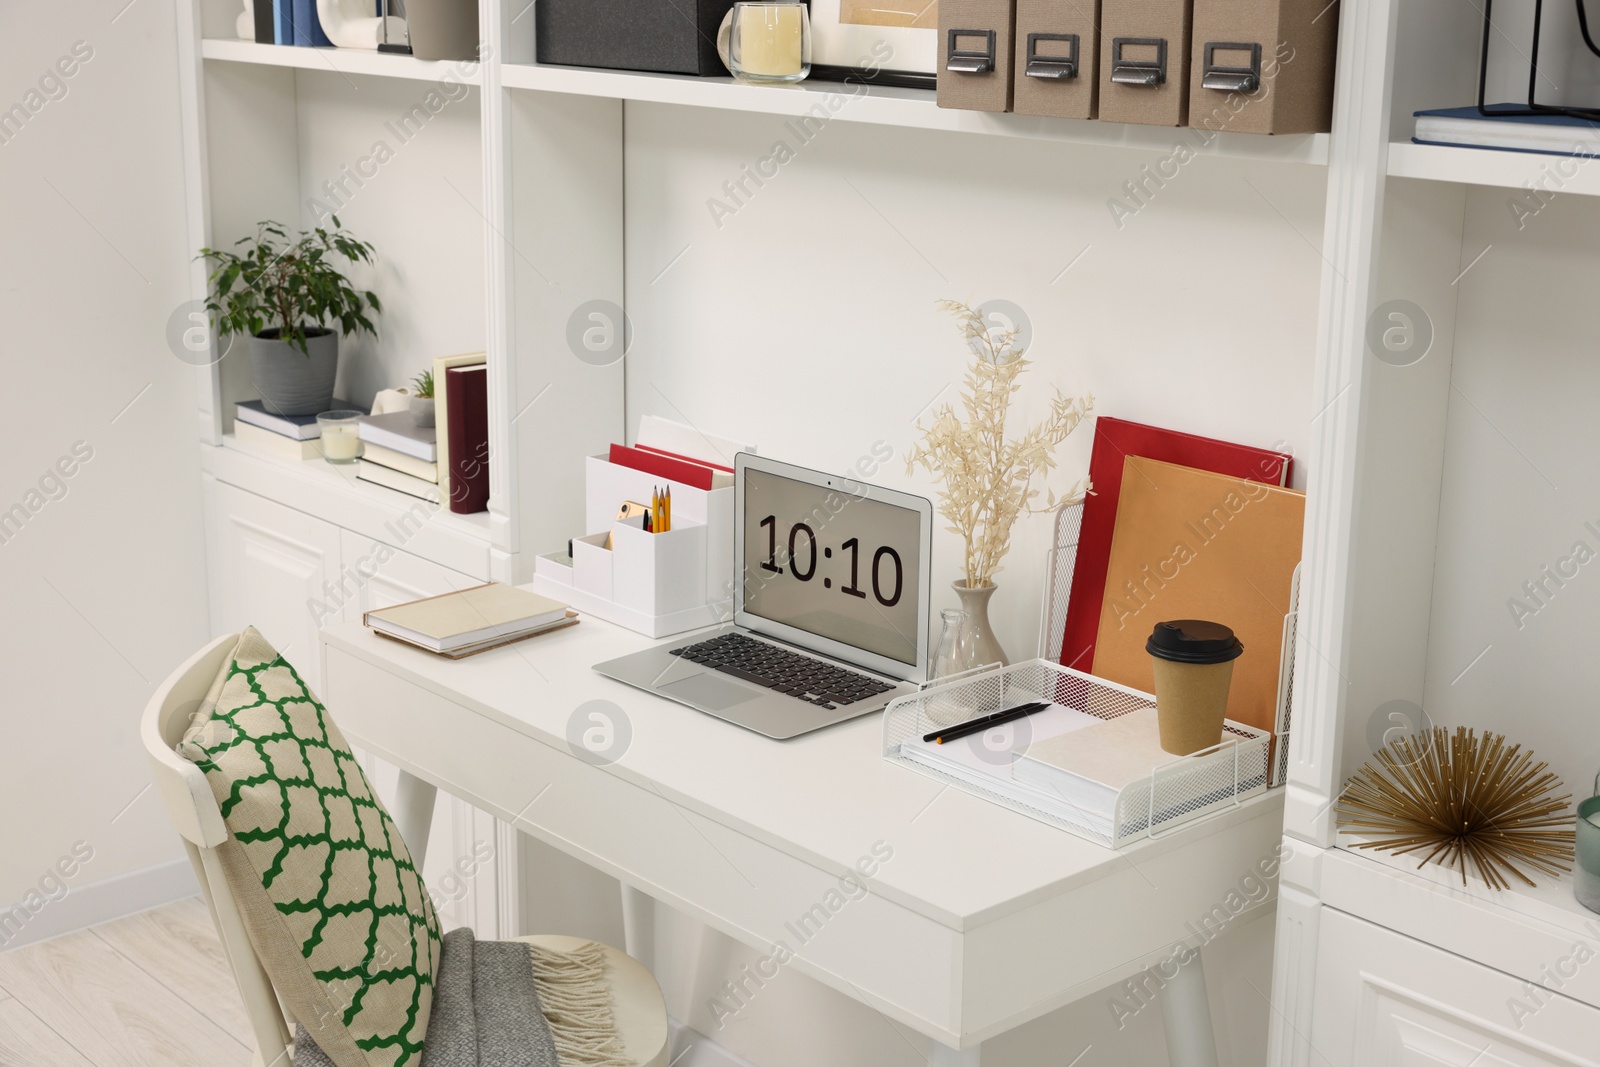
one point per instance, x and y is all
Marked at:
(1115, 811)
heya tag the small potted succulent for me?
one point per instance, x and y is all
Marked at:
(422, 399)
(287, 296)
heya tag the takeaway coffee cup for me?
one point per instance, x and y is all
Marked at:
(1194, 669)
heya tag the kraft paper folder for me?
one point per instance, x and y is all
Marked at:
(1190, 544)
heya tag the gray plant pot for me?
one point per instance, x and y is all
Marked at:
(292, 382)
(442, 29)
(422, 411)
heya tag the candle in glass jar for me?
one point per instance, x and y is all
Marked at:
(770, 37)
(341, 436)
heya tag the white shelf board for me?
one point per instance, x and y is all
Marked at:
(337, 60)
(1488, 166)
(1512, 930)
(333, 493)
(891, 106)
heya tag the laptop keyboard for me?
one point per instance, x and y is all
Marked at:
(783, 671)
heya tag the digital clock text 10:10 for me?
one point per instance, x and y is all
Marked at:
(801, 532)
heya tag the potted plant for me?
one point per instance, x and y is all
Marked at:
(422, 399)
(989, 480)
(288, 297)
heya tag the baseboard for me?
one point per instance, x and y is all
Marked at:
(691, 1048)
(100, 902)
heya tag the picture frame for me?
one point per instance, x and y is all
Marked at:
(882, 53)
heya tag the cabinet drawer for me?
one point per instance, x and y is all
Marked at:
(1385, 1000)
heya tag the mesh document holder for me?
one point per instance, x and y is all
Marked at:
(1175, 793)
(1060, 565)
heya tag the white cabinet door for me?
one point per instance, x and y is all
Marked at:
(377, 576)
(269, 566)
(1385, 1000)
(460, 868)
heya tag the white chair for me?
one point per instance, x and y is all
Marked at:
(641, 1014)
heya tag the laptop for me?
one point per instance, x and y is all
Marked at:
(830, 602)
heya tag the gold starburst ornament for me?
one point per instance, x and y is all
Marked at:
(1468, 803)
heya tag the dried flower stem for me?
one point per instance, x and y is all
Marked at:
(988, 480)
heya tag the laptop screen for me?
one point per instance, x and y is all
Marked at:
(833, 563)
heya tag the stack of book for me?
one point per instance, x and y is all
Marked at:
(472, 620)
(293, 437)
(399, 454)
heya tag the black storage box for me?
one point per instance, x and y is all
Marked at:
(665, 36)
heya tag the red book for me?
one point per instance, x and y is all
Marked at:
(467, 426)
(1114, 441)
(663, 465)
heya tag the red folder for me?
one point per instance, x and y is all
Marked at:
(467, 424)
(1114, 441)
(686, 459)
(662, 465)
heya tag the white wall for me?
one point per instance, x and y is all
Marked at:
(102, 589)
(1198, 313)
(1522, 489)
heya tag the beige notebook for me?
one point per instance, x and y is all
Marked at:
(1115, 754)
(469, 617)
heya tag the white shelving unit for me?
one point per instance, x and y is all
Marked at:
(1439, 478)
(513, 216)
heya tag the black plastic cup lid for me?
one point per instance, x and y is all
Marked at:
(1194, 641)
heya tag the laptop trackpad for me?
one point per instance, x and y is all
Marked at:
(708, 691)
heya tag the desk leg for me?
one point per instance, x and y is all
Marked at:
(945, 1056)
(413, 815)
(639, 926)
(1186, 1013)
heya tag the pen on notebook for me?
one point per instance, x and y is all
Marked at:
(984, 722)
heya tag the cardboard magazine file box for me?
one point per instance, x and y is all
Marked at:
(1144, 61)
(1057, 60)
(1263, 66)
(976, 38)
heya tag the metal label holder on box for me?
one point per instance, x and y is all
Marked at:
(1175, 793)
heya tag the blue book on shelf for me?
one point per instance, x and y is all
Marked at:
(308, 27)
(1503, 131)
(282, 21)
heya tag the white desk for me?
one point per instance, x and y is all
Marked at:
(982, 919)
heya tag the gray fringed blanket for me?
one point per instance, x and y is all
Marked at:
(486, 1010)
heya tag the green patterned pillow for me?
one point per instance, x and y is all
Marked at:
(333, 905)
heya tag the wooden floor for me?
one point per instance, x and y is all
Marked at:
(152, 989)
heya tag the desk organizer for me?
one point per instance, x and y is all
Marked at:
(654, 584)
(1175, 793)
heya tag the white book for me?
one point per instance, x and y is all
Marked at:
(399, 431)
(378, 474)
(1090, 768)
(258, 440)
(987, 761)
(399, 461)
(480, 615)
